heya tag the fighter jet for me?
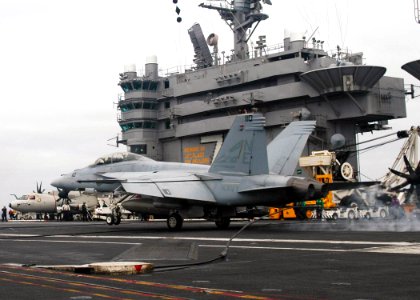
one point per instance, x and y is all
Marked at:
(91, 178)
(242, 175)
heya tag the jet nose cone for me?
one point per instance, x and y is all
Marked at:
(58, 182)
(65, 182)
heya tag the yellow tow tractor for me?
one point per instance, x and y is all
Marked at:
(319, 164)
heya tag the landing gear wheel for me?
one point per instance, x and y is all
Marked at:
(223, 222)
(116, 216)
(174, 222)
(110, 220)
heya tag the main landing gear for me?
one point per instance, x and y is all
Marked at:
(222, 223)
(114, 218)
(174, 221)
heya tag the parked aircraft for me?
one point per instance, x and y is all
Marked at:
(50, 202)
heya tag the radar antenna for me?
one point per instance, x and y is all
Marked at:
(240, 15)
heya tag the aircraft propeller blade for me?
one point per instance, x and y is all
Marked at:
(63, 195)
(39, 189)
(409, 167)
(403, 175)
(400, 186)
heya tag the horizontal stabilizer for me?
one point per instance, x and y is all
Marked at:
(263, 189)
(348, 185)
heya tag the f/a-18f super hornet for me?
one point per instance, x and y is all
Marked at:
(242, 175)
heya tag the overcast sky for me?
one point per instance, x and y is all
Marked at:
(60, 60)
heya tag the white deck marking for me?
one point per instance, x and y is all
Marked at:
(108, 237)
(281, 248)
(380, 247)
(73, 242)
(413, 249)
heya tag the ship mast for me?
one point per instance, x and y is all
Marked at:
(416, 11)
(240, 15)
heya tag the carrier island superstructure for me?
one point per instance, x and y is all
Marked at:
(184, 116)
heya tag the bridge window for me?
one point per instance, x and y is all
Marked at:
(138, 105)
(137, 84)
(153, 86)
(126, 86)
(168, 124)
(147, 105)
(149, 125)
(138, 125)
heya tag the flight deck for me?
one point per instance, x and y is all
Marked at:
(269, 259)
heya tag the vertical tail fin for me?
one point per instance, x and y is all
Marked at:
(244, 150)
(286, 148)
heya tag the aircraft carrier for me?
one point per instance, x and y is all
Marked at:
(184, 116)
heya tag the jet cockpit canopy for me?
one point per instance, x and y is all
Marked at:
(118, 157)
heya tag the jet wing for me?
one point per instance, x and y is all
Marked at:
(166, 184)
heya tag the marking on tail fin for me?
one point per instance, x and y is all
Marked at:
(243, 151)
